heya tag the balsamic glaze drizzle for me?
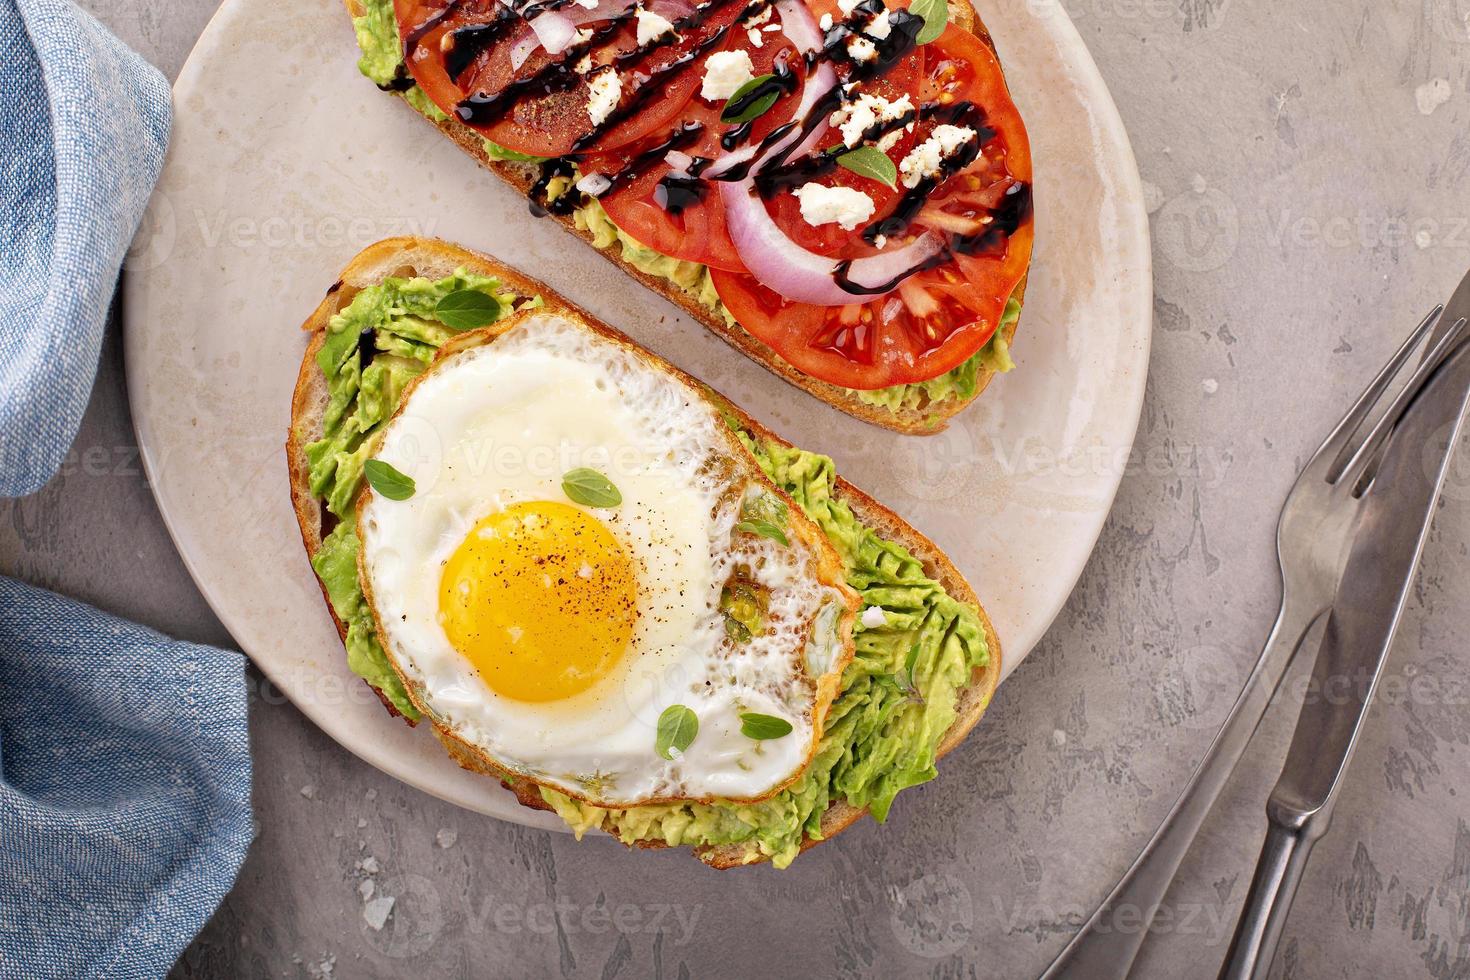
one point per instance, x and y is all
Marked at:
(366, 348)
(1014, 208)
(648, 85)
(913, 200)
(412, 38)
(467, 43)
(679, 190)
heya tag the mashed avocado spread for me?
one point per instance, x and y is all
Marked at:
(898, 694)
(382, 62)
(363, 388)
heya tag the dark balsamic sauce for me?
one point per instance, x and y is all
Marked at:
(652, 84)
(677, 191)
(366, 348)
(412, 39)
(1014, 209)
(402, 81)
(467, 43)
(913, 201)
(485, 109)
(566, 202)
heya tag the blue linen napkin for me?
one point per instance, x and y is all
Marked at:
(83, 125)
(124, 789)
(124, 759)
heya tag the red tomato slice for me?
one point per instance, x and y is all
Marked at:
(541, 123)
(698, 232)
(903, 79)
(940, 317)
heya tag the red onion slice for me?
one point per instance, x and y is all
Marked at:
(803, 276)
(769, 254)
(554, 30)
(576, 15)
(798, 25)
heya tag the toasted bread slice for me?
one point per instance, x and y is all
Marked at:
(436, 259)
(924, 419)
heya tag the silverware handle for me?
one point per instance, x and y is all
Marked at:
(1283, 858)
(1104, 948)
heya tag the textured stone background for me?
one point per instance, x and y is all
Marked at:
(1306, 168)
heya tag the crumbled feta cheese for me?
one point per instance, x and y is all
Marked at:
(606, 90)
(594, 185)
(880, 241)
(771, 27)
(651, 26)
(873, 618)
(584, 63)
(756, 40)
(724, 72)
(826, 22)
(822, 205)
(865, 112)
(758, 19)
(848, 6)
(878, 26)
(926, 158)
(587, 4)
(861, 49)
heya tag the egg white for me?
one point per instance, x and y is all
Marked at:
(498, 424)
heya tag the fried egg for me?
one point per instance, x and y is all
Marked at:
(547, 630)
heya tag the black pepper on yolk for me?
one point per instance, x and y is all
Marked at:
(540, 598)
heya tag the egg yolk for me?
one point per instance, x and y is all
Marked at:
(540, 598)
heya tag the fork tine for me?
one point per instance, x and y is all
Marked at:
(1339, 439)
(1356, 468)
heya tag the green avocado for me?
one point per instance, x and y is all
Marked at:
(398, 316)
(382, 60)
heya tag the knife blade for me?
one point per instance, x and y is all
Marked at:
(1375, 587)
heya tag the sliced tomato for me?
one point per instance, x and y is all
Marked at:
(939, 317)
(903, 79)
(542, 122)
(697, 233)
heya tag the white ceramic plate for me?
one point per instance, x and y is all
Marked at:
(285, 162)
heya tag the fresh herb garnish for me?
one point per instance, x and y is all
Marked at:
(740, 109)
(590, 488)
(870, 162)
(763, 727)
(765, 514)
(466, 309)
(387, 481)
(764, 528)
(905, 677)
(677, 727)
(936, 16)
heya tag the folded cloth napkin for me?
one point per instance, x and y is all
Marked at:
(83, 126)
(124, 789)
(124, 762)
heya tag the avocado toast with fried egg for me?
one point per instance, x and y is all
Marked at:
(924, 660)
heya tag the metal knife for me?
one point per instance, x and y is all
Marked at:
(1360, 628)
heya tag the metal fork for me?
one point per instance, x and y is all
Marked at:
(1312, 544)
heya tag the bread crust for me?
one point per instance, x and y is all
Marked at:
(438, 259)
(925, 419)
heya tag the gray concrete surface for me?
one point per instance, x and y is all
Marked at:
(1307, 172)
